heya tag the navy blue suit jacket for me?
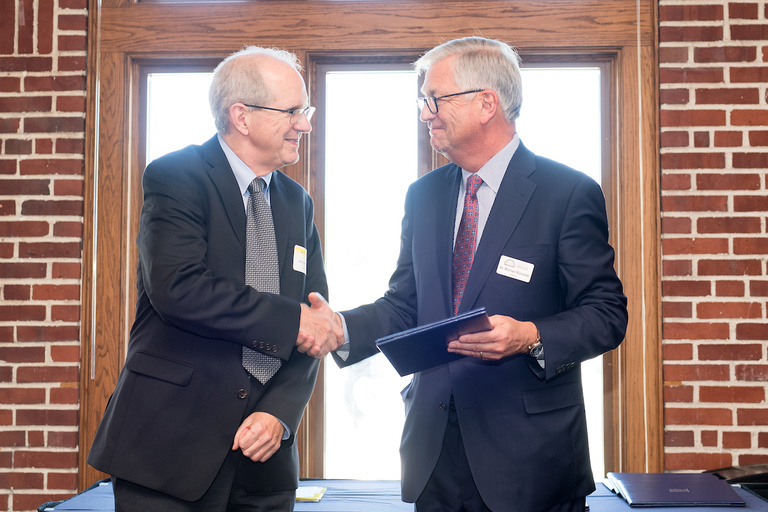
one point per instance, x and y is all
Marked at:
(181, 396)
(524, 427)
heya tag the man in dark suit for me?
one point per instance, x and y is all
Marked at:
(188, 427)
(503, 429)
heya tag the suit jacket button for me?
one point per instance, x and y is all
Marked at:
(268, 346)
(274, 348)
(261, 344)
(443, 407)
(241, 393)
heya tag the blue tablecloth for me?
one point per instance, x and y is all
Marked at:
(384, 496)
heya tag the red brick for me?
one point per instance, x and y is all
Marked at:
(51, 166)
(44, 459)
(19, 480)
(693, 161)
(690, 33)
(728, 139)
(20, 64)
(748, 459)
(758, 288)
(671, 310)
(726, 96)
(54, 124)
(750, 331)
(749, 74)
(690, 12)
(762, 439)
(694, 246)
(26, 31)
(674, 96)
(18, 147)
(19, 270)
(675, 225)
(65, 313)
(70, 104)
(10, 125)
(708, 310)
(73, 4)
(43, 146)
(750, 203)
(36, 374)
(68, 187)
(51, 207)
(7, 166)
(701, 139)
(16, 292)
(72, 43)
(712, 54)
(73, 22)
(698, 416)
(62, 439)
(20, 395)
(757, 32)
(692, 117)
(729, 225)
(677, 267)
(669, 54)
(696, 331)
(62, 481)
(47, 333)
(21, 313)
(692, 75)
(11, 438)
(26, 187)
(731, 394)
(709, 438)
(755, 245)
(678, 439)
(65, 270)
(49, 250)
(71, 63)
(21, 228)
(65, 396)
(7, 27)
(26, 104)
(742, 10)
(752, 416)
(677, 352)
(672, 139)
(737, 440)
(686, 288)
(77, 146)
(750, 160)
(6, 336)
(49, 292)
(687, 203)
(45, 26)
(758, 138)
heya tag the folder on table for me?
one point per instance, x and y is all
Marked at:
(424, 347)
(674, 490)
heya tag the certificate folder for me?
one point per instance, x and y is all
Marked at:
(425, 346)
(674, 490)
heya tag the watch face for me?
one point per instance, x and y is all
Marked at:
(537, 350)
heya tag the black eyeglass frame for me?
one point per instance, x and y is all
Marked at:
(307, 111)
(424, 100)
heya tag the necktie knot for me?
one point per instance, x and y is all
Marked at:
(473, 184)
(257, 185)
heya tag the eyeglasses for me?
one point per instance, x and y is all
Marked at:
(431, 101)
(296, 113)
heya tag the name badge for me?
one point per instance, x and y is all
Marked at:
(300, 259)
(516, 269)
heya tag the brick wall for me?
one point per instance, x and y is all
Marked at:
(42, 119)
(714, 199)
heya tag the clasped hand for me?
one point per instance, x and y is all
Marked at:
(506, 337)
(320, 330)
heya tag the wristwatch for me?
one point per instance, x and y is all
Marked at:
(537, 347)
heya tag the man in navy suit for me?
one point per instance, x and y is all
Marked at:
(188, 427)
(503, 429)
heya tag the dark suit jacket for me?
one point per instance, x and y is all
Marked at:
(523, 427)
(181, 396)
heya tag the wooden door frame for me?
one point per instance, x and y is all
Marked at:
(124, 35)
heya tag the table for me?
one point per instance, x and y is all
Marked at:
(384, 496)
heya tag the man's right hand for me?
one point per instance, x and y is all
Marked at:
(320, 330)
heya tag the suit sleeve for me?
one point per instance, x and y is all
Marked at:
(594, 317)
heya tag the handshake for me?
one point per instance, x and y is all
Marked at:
(320, 329)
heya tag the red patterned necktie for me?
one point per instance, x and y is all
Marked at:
(464, 249)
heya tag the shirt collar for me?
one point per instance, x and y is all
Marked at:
(243, 174)
(494, 169)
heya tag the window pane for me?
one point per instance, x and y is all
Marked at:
(371, 158)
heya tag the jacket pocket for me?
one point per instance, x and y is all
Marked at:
(160, 368)
(552, 398)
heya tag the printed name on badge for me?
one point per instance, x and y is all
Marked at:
(300, 259)
(516, 269)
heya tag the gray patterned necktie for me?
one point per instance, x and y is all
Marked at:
(261, 271)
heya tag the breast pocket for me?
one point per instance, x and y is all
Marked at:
(160, 368)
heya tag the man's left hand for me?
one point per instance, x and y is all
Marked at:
(259, 436)
(506, 337)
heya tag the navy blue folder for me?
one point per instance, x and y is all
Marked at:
(424, 347)
(674, 490)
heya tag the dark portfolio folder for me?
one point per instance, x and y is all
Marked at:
(425, 346)
(674, 490)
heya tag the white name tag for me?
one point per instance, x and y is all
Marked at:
(516, 269)
(300, 259)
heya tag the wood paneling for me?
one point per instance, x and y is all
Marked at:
(124, 36)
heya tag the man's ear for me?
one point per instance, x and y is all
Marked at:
(489, 105)
(239, 119)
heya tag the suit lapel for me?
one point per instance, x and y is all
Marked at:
(445, 220)
(514, 194)
(224, 179)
